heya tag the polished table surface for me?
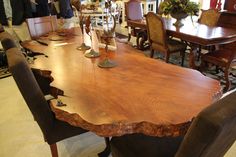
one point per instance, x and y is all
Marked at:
(140, 95)
(194, 32)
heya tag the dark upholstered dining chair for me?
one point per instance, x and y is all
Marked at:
(211, 134)
(224, 58)
(41, 25)
(4, 35)
(158, 39)
(53, 130)
(7, 42)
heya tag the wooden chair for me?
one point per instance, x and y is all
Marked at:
(211, 134)
(4, 35)
(7, 43)
(158, 39)
(133, 11)
(53, 129)
(41, 25)
(223, 58)
(209, 17)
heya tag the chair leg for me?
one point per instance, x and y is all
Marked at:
(226, 73)
(152, 53)
(129, 37)
(202, 66)
(54, 151)
(107, 151)
(129, 33)
(199, 52)
(167, 57)
(183, 55)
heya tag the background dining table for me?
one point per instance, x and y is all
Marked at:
(194, 34)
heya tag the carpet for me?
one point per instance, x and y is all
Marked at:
(121, 38)
(4, 72)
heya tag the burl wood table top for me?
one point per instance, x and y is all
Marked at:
(140, 95)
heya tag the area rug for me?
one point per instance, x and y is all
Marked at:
(121, 38)
(4, 72)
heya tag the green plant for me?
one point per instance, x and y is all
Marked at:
(179, 6)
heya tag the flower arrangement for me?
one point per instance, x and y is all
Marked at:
(179, 6)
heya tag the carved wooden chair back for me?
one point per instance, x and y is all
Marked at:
(133, 11)
(223, 58)
(41, 25)
(209, 17)
(156, 32)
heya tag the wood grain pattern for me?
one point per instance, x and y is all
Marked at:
(139, 95)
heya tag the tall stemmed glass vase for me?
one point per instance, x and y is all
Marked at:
(92, 53)
(83, 46)
(108, 35)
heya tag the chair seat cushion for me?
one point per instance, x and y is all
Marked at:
(139, 145)
(219, 55)
(175, 45)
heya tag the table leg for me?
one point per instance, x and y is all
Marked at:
(106, 152)
(141, 39)
(129, 33)
(192, 54)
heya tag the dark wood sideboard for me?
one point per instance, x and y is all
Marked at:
(227, 19)
(230, 5)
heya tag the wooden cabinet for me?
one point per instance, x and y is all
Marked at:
(230, 5)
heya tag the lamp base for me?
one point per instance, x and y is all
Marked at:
(107, 63)
(92, 54)
(83, 47)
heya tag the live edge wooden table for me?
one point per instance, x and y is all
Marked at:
(194, 33)
(140, 95)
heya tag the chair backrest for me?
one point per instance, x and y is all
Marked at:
(156, 31)
(41, 25)
(8, 43)
(209, 17)
(133, 10)
(30, 90)
(4, 35)
(213, 131)
(1, 28)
